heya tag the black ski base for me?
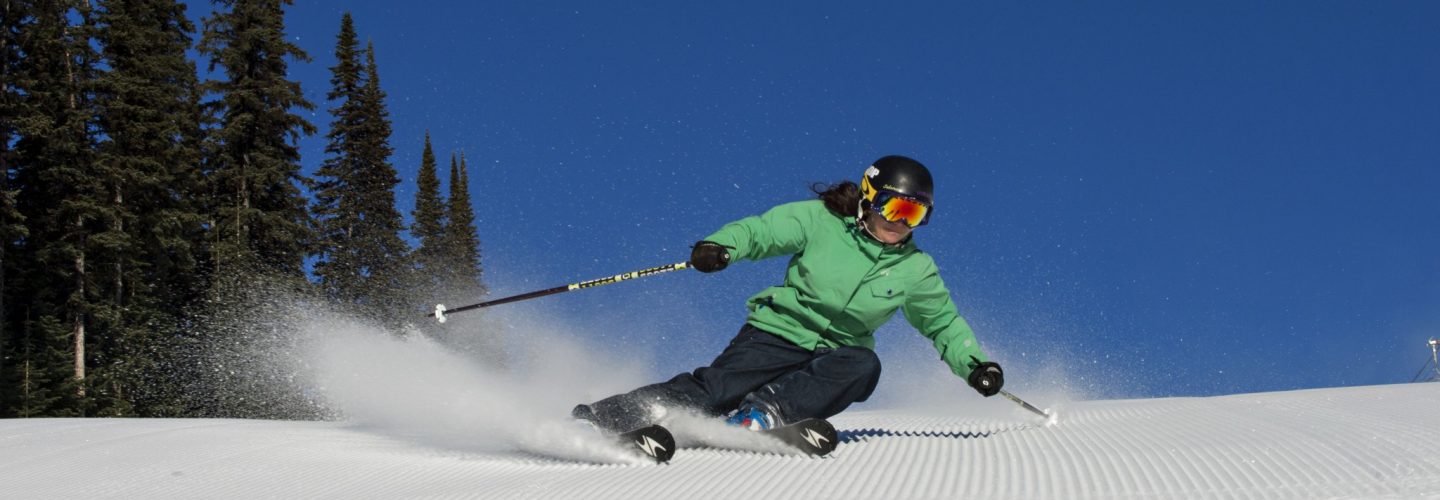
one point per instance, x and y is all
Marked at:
(653, 442)
(814, 436)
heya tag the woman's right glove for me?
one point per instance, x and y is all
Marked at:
(987, 378)
(709, 256)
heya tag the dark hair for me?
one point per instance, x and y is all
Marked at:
(841, 198)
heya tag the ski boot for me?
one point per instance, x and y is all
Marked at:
(755, 415)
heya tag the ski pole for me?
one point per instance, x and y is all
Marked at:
(1023, 404)
(441, 311)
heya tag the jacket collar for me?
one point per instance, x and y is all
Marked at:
(904, 246)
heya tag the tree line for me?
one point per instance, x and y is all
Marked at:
(135, 194)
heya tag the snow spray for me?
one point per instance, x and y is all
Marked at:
(272, 354)
(413, 386)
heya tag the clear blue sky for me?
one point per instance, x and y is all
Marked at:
(1163, 198)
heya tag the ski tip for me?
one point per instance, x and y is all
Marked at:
(653, 441)
(824, 439)
(813, 436)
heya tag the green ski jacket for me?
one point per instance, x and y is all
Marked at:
(841, 285)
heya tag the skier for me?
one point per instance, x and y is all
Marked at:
(805, 350)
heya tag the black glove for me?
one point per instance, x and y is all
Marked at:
(709, 256)
(987, 378)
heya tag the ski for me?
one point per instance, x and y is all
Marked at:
(653, 441)
(814, 436)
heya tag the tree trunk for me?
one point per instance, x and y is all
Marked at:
(78, 317)
(25, 385)
(4, 330)
(119, 262)
(240, 230)
(4, 230)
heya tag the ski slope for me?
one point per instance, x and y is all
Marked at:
(1345, 442)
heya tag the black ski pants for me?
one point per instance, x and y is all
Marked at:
(792, 381)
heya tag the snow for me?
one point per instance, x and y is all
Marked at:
(423, 418)
(1341, 442)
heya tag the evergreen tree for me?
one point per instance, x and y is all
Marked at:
(60, 197)
(335, 197)
(363, 258)
(258, 221)
(41, 390)
(462, 241)
(148, 163)
(381, 252)
(259, 216)
(462, 257)
(12, 18)
(429, 231)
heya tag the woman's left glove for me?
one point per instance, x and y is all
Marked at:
(987, 378)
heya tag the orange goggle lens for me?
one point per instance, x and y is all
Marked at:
(896, 208)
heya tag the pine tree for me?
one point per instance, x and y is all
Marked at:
(259, 215)
(362, 259)
(59, 193)
(429, 231)
(335, 197)
(148, 163)
(382, 253)
(41, 390)
(462, 256)
(462, 239)
(13, 15)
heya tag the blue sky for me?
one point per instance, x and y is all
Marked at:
(1160, 198)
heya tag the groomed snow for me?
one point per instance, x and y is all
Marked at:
(1344, 442)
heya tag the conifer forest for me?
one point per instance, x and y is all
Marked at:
(153, 194)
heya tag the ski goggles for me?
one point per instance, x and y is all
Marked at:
(895, 207)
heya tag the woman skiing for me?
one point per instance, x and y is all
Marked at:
(805, 350)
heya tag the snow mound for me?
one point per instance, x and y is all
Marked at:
(1344, 442)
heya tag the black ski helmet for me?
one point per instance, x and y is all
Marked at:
(900, 175)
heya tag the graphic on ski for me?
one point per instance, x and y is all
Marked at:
(653, 441)
(813, 435)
